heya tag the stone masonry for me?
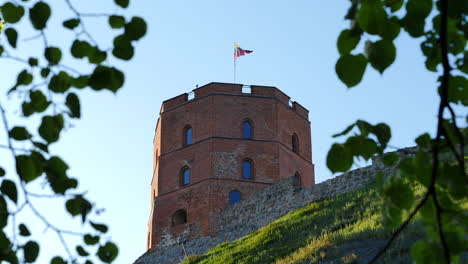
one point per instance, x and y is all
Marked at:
(264, 207)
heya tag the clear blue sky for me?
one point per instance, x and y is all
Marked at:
(190, 43)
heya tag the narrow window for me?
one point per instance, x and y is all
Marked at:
(179, 217)
(297, 182)
(295, 143)
(247, 169)
(185, 176)
(247, 130)
(188, 135)
(234, 197)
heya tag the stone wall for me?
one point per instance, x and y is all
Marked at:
(265, 206)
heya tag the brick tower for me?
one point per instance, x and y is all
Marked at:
(218, 145)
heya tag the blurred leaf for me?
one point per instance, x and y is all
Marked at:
(19, 133)
(123, 48)
(73, 103)
(12, 36)
(24, 231)
(116, 21)
(96, 56)
(53, 55)
(80, 49)
(24, 78)
(78, 206)
(347, 41)
(99, 227)
(31, 251)
(56, 171)
(381, 54)
(58, 260)
(90, 240)
(135, 29)
(351, 68)
(346, 131)
(390, 159)
(339, 158)
(122, 3)
(60, 82)
(104, 77)
(2, 172)
(39, 15)
(33, 62)
(12, 13)
(38, 101)
(372, 17)
(108, 252)
(9, 189)
(50, 128)
(394, 5)
(28, 169)
(71, 23)
(81, 251)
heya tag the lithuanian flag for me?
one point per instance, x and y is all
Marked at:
(240, 52)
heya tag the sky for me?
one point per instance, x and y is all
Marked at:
(190, 43)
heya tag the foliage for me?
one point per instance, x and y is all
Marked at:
(49, 89)
(443, 27)
(329, 231)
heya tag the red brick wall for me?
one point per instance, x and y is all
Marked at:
(218, 150)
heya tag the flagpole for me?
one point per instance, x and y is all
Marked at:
(234, 62)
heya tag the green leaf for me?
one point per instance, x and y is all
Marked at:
(116, 21)
(41, 146)
(394, 5)
(79, 206)
(24, 78)
(19, 133)
(50, 128)
(38, 101)
(53, 55)
(383, 133)
(33, 62)
(347, 41)
(381, 54)
(351, 68)
(80, 81)
(2, 172)
(416, 13)
(122, 3)
(339, 158)
(123, 48)
(12, 36)
(80, 49)
(135, 29)
(73, 103)
(392, 29)
(108, 252)
(346, 131)
(372, 17)
(56, 171)
(45, 72)
(9, 189)
(361, 146)
(71, 23)
(81, 251)
(96, 56)
(27, 109)
(104, 77)
(1, 50)
(424, 140)
(24, 231)
(90, 239)
(390, 159)
(99, 227)
(58, 260)
(39, 14)
(12, 13)
(4, 214)
(31, 251)
(28, 168)
(60, 83)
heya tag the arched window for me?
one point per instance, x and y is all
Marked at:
(295, 143)
(179, 217)
(247, 130)
(234, 197)
(297, 181)
(247, 169)
(185, 176)
(188, 134)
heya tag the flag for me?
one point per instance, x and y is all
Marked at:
(240, 52)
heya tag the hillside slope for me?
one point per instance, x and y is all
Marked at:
(343, 229)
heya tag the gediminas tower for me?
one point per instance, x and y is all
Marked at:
(218, 145)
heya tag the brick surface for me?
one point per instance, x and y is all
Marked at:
(215, 158)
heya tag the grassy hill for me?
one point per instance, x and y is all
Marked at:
(344, 229)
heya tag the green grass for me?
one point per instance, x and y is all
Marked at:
(312, 233)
